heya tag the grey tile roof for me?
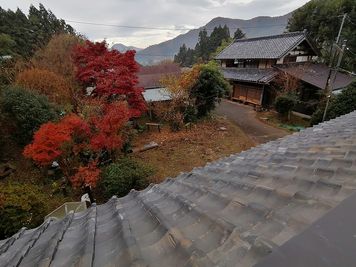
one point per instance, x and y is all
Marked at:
(329, 242)
(316, 74)
(269, 47)
(232, 212)
(249, 75)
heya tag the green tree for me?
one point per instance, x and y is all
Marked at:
(205, 48)
(21, 205)
(239, 34)
(30, 32)
(122, 176)
(216, 38)
(180, 58)
(340, 104)
(285, 103)
(322, 20)
(224, 44)
(6, 43)
(26, 110)
(209, 89)
(202, 47)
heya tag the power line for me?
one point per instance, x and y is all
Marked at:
(150, 55)
(166, 29)
(348, 50)
(351, 20)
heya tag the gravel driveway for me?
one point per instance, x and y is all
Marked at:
(245, 117)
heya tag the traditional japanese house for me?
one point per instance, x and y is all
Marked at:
(249, 64)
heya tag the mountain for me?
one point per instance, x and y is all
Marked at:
(123, 48)
(255, 27)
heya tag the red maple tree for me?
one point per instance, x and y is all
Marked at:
(107, 137)
(51, 139)
(111, 73)
(86, 175)
(66, 140)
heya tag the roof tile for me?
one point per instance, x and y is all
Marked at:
(232, 212)
(269, 47)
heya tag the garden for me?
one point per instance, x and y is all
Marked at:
(73, 116)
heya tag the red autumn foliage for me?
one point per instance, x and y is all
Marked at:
(115, 116)
(110, 72)
(49, 140)
(63, 141)
(88, 175)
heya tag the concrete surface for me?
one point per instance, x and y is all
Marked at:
(245, 117)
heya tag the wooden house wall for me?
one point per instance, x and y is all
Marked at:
(250, 93)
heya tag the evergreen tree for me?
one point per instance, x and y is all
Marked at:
(29, 32)
(180, 57)
(322, 20)
(209, 88)
(216, 38)
(239, 34)
(202, 47)
(205, 48)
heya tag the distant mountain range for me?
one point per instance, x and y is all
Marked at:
(255, 27)
(123, 48)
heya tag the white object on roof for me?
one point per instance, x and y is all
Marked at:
(156, 94)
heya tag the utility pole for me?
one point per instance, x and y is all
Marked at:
(340, 30)
(333, 77)
(330, 80)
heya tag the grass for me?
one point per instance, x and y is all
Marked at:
(182, 151)
(272, 118)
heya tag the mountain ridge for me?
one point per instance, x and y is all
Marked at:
(123, 48)
(254, 27)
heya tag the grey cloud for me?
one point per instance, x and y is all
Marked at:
(152, 13)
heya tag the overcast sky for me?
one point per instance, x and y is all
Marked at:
(171, 14)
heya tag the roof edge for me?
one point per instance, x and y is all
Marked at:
(269, 36)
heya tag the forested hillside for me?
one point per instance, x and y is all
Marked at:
(21, 35)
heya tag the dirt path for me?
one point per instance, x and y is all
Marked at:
(245, 117)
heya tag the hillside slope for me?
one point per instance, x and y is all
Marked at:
(123, 48)
(258, 26)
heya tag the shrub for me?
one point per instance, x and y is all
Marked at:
(209, 89)
(27, 110)
(21, 205)
(190, 114)
(47, 83)
(285, 103)
(126, 174)
(341, 104)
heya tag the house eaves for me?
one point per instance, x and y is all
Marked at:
(316, 74)
(269, 47)
(253, 75)
(232, 212)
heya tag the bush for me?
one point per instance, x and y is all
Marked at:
(21, 205)
(190, 114)
(285, 103)
(340, 104)
(122, 176)
(209, 88)
(47, 83)
(27, 110)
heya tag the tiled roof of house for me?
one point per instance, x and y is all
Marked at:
(249, 75)
(316, 74)
(232, 212)
(269, 47)
(328, 242)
